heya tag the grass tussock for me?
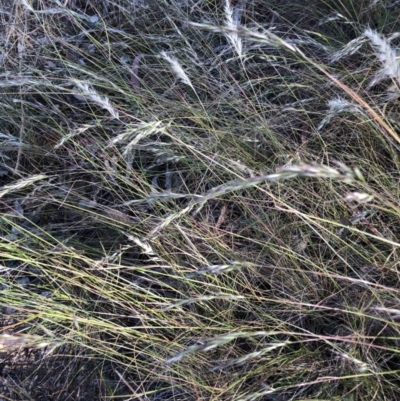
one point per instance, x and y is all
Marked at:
(199, 200)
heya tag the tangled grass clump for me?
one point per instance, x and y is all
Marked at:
(199, 200)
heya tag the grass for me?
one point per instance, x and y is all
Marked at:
(199, 200)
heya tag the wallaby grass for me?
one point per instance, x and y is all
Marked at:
(200, 200)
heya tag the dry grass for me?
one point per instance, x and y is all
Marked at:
(199, 200)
